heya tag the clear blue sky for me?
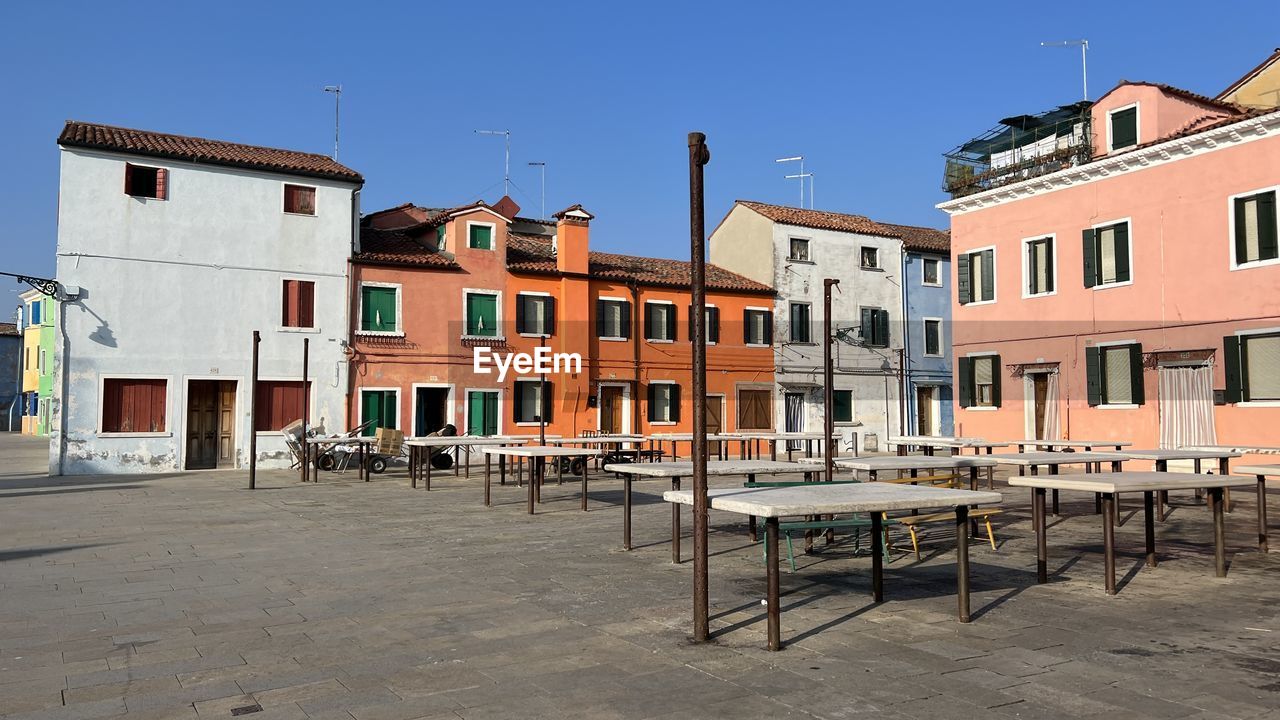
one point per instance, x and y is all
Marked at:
(870, 93)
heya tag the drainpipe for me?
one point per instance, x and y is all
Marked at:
(636, 330)
(906, 345)
(62, 402)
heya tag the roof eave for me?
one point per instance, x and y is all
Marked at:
(358, 180)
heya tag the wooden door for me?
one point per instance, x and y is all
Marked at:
(227, 423)
(202, 424)
(924, 410)
(715, 423)
(1040, 396)
(755, 410)
(610, 409)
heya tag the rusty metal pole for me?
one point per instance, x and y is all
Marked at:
(542, 400)
(828, 382)
(253, 414)
(699, 156)
(306, 410)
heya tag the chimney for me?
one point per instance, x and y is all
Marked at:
(572, 235)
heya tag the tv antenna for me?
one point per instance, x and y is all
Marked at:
(1084, 60)
(801, 177)
(337, 104)
(506, 172)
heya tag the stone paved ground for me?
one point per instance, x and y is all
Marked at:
(187, 596)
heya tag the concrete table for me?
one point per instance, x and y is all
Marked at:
(676, 438)
(311, 454)
(1162, 456)
(874, 465)
(603, 442)
(420, 453)
(929, 443)
(1035, 460)
(830, 499)
(538, 455)
(1261, 472)
(1111, 484)
(808, 438)
(519, 464)
(675, 471)
(1086, 445)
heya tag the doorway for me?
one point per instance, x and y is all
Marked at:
(1186, 406)
(614, 418)
(927, 410)
(1040, 397)
(211, 424)
(793, 405)
(431, 409)
(482, 412)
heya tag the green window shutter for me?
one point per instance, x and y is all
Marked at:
(1231, 363)
(475, 413)
(482, 315)
(1268, 247)
(1124, 128)
(517, 402)
(997, 370)
(377, 309)
(882, 327)
(713, 325)
(549, 315)
(440, 238)
(842, 406)
(746, 327)
(481, 237)
(371, 409)
(1047, 248)
(547, 404)
(768, 327)
(652, 392)
(601, 308)
(964, 380)
(390, 413)
(675, 403)
(1093, 374)
(522, 313)
(650, 332)
(1122, 252)
(1090, 248)
(1136, 385)
(626, 320)
(1241, 222)
(964, 280)
(988, 274)
(490, 413)
(671, 322)
(866, 326)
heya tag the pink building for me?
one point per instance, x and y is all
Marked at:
(1118, 274)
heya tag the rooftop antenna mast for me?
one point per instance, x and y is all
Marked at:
(1084, 59)
(801, 176)
(543, 167)
(506, 172)
(337, 105)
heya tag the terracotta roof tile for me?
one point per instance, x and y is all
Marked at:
(1179, 92)
(8, 329)
(532, 253)
(819, 219)
(201, 150)
(395, 247)
(922, 239)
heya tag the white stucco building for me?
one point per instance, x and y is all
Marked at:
(179, 248)
(793, 250)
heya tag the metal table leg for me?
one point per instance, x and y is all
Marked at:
(772, 599)
(1219, 534)
(1042, 535)
(487, 474)
(1149, 520)
(962, 561)
(530, 488)
(1109, 542)
(675, 525)
(584, 486)
(1262, 514)
(626, 512)
(877, 556)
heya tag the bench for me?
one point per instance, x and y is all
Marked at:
(822, 525)
(976, 515)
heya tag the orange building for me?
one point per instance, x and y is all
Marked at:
(434, 288)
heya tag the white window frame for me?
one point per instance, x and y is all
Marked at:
(656, 423)
(399, 331)
(532, 293)
(708, 306)
(360, 391)
(661, 341)
(1231, 230)
(1243, 334)
(1053, 253)
(925, 260)
(626, 405)
(994, 369)
(315, 194)
(449, 404)
(790, 333)
(466, 407)
(1102, 360)
(808, 244)
(515, 389)
(995, 275)
(1137, 127)
(168, 405)
(614, 338)
(497, 307)
(924, 338)
(1128, 221)
(315, 328)
(493, 235)
(878, 266)
(764, 310)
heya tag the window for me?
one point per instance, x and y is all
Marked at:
(870, 258)
(480, 236)
(482, 412)
(146, 182)
(1114, 374)
(979, 381)
(482, 314)
(440, 238)
(528, 400)
(299, 200)
(1038, 266)
(659, 321)
(535, 314)
(279, 402)
(757, 326)
(36, 316)
(755, 409)
(799, 250)
(874, 330)
(298, 304)
(379, 308)
(664, 403)
(1123, 125)
(931, 272)
(1253, 367)
(613, 319)
(800, 325)
(132, 405)
(976, 276)
(842, 406)
(712, 324)
(933, 337)
(380, 406)
(1106, 255)
(1254, 224)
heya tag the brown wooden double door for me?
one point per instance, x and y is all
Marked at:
(211, 424)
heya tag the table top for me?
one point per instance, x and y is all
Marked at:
(1258, 470)
(934, 440)
(781, 435)
(1247, 449)
(452, 440)
(600, 440)
(907, 462)
(520, 438)
(1074, 443)
(341, 440)
(1028, 459)
(828, 498)
(1170, 454)
(684, 468)
(540, 451)
(1129, 481)
(688, 437)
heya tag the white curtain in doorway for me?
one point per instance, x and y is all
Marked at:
(1052, 429)
(794, 406)
(1186, 407)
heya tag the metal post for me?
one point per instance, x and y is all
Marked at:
(699, 156)
(773, 599)
(253, 414)
(1109, 542)
(828, 381)
(1219, 533)
(962, 562)
(542, 403)
(306, 410)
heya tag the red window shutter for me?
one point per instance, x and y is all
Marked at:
(289, 304)
(162, 184)
(306, 304)
(111, 406)
(128, 179)
(290, 198)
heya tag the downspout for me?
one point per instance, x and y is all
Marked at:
(62, 369)
(635, 344)
(906, 347)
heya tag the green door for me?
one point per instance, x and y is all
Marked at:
(482, 413)
(379, 406)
